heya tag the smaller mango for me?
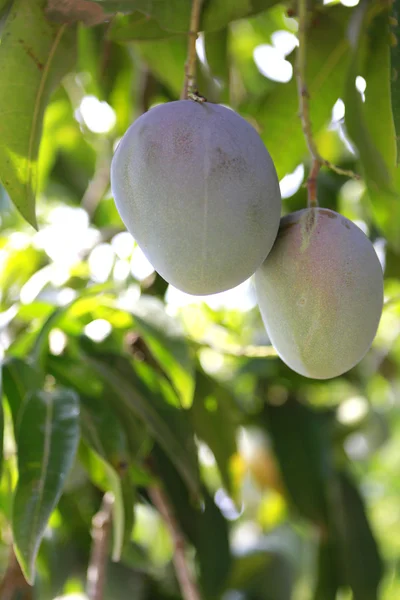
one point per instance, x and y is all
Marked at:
(320, 293)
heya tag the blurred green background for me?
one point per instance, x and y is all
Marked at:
(283, 487)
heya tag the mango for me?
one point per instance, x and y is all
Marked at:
(197, 189)
(320, 293)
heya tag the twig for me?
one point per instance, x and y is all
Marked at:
(98, 561)
(186, 581)
(13, 584)
(189, 87)
(304, 112)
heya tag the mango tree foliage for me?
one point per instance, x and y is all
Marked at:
(114, 383)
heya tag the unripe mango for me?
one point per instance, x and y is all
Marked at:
(197, 189)
(320, 292)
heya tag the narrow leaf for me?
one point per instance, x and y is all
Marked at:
(301, 442)
(374, 138)
(395, 71)
(169, 425)
(20, 379)
(104, 476)
(358, 553)
(47, 441)
(213, 423)
(35, 55)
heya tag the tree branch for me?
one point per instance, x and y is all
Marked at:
(304, 112)
(186, 581)
(101, 532)
(189, 87)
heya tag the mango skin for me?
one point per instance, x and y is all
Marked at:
(197, 189)
(320, 293)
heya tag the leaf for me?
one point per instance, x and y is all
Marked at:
(395, 72)
(166, 60)
(277, 113)
(300, 438)
(136, 27)
(265, 574)
(174, 15)
(47, 441)
(206, 529)
(34, 57)
(104, 476)
(165, 338)
(327, 573)
(20, 378)
(358, 553)
(1, 425)
(142, 394)
(213, 423)
(374, 138)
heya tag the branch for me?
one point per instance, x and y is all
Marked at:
(189, 87)
(13, 584)
(304, 112)
(186, 582)
(98, 561)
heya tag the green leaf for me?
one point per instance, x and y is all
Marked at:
(141, 393)
(35, 55)
(1, 424)
(277, 114)
(165, 339)
(301, 440)
(174, 15)
(136, 27)
(395, 72)
(20, 378)
(358, 554)
(206, 529)
(166, 60)
(327, 572)
(47, 441)
(104, 476)
(213, 423)
(374, 138)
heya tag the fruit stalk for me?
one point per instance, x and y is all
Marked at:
(189, 87)
(304, 111)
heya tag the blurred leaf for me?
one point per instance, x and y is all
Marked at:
(327, 573)
(301, 440)
(106, 477)
(263, 575)
(20, 378)
(277, 112)
(395, 72)
(358, 553)
(213, 423)
(374, 138)
(174, 15)
(47, 440)
(165, 59)
(34, 56)
(142, 394)
(136, 27)
(1, 424)
(216, 49)
(206, 529)
(165, 338)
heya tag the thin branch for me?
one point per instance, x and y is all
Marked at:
(190, 88)
(13, 584)
(186, 581)
(304, 112)
(101, 532)
(100, 182)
